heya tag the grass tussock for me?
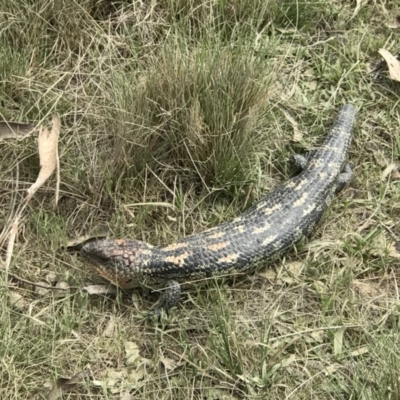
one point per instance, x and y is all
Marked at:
(177, 115)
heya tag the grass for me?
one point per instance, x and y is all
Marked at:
(177, 115)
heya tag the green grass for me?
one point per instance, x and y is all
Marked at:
(175, 118)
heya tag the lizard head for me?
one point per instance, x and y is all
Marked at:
(119, 261)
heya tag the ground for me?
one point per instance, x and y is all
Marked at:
(175, 116)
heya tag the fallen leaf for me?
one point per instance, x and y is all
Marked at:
(382, 247)
(217, 394)
(110, 328)
(14, 130)
(395, 176)
(101, 289)
(51, 277)
(17, 300)
(78, 242)
(126, 395)
(131, 353)
(360, 351)
(287, 361)
(393, 64)
(48, 154)
(64, 288)
(369, 290)
(297, 133)
(331, 369)
(136, 375)
(318, 336)
(135, 300)
(111, 378)
(338, 341)
(169, 363)
(267, 273)
(394, 23)
(366, 225)
(66, 384)
(388, 171)
(392, 250)
(292, 270)
(380, 158)
(312, 85)
(40, 290)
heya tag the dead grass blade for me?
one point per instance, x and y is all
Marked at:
(48, 153)
(297, 133)
(11, 241)
(76, 243)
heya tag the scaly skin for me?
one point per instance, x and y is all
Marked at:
(266, 230)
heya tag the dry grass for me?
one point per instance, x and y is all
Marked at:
(174, 119)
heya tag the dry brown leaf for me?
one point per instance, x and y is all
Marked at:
(382, 247)
(380, 158)
(312, 85)
(66, 384)
(293, 269)
(126, 395)
(365, 225)
(214, 393)
(110, 328)
(392, 249)
(388, 171)
(14, 130)
(287, 361)
(360, 351)
(17, 300)
(40, 289)
(169, 364)
(111, 378)
(63, 286)
(51, 277)
(395, 174)
(132, 353)
(394, 23)
(393, 64)
(331, 369)
(137, 374)
(100, 289)
(369, 290)
(135, 300)
(48, 154)
(267, 273)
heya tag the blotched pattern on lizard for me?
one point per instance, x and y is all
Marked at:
(266, 230)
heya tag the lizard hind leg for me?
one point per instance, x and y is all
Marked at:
(344, 178)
